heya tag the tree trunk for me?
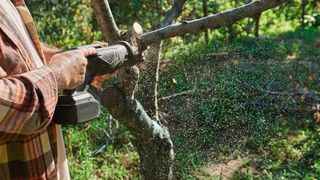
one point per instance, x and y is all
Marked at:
(257, 25)
(232, 33)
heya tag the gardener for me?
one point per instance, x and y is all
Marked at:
(31, 146)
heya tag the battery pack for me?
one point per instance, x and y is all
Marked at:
(78, 108)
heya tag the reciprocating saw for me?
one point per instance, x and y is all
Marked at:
(78, 105)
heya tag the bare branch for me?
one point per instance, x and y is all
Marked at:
(210, 22)
(106, 21)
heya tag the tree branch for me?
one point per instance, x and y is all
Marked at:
(106, 20)
(210, 22)
(152, 139)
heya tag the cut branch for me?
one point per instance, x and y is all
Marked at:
(106, 20)
(225, 18)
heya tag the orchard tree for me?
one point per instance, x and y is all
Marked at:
(152, 138)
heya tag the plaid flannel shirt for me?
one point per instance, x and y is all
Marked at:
(28, 96)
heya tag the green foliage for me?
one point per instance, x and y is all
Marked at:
(65, 23)
(117, 161)
(146, 12)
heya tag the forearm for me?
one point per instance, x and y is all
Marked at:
(27, 103)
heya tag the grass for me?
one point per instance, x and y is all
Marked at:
(249, 113)
(118, 160)
(247, 117)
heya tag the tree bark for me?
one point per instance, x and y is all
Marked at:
(152, 139)
(210, 22)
